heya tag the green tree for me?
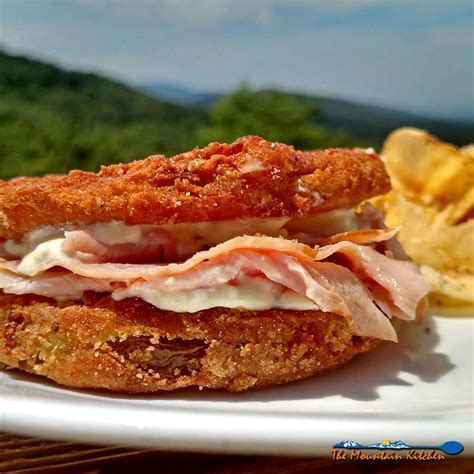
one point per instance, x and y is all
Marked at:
(53, 120)
(273, 115)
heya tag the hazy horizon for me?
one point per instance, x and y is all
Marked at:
(408, 55)
(184, 87)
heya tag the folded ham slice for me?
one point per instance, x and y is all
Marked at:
(153, 246)
(60, 285)
(352, 280)
(401, 279)
(51, 254)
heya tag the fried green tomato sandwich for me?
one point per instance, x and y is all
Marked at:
(232, 266)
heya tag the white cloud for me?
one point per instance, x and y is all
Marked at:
(201, 13)
(205, 13)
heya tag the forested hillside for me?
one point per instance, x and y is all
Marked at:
(53, 120)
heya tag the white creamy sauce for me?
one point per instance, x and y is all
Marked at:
(255, 294)
(20, 248)
(43, 252)
(210, 233)
(113, 233)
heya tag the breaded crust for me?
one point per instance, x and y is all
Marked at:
(248, 178)
(130, 346)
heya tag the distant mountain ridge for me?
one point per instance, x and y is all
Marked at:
(361, 120)
(180, 95)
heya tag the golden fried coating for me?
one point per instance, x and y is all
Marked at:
(248, 178)
(130, 346)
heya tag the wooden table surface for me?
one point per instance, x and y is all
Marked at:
(30, 455)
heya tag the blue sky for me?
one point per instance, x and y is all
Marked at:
(412, 55)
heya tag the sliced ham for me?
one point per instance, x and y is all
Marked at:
(62, 285)
(349, 288)
(331, 287)
(154, 246)
(360, 236)
(370, 217)
(351, 273)
(360, 311)
(402, 280)
(51, 254)
(3, 250)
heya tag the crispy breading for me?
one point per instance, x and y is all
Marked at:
(248, 178)
(130, 346)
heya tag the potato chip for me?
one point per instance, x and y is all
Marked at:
(427, 170)
(457, 286)
(444, 305)
(459, 211)
(468, 150)
(433, 200)
(428, 240)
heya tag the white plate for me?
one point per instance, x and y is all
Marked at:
(418, 391)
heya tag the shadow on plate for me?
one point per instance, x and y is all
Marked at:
(360, 379)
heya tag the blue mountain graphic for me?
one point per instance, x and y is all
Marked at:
(394, 445)
(348, 444)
